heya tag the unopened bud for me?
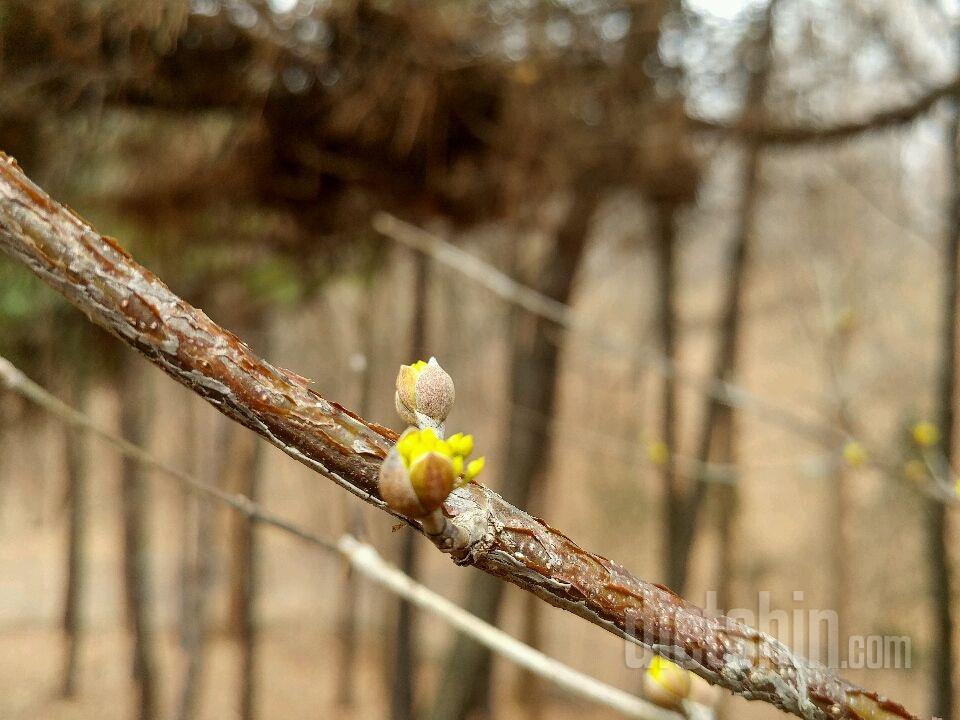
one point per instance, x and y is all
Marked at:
(666, 683)
(425, 394)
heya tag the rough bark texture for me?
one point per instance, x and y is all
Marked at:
(135, 419)
(115, 292)
(75, 443)
(534, 364)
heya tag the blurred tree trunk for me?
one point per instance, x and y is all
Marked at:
(840, 501)
(75, 450)
(245, 551)
(938, 531)
(535, 352)
(673, 510)
(348, 626)
(136, 416)
(404, 662)
(244, 555)
(717, 437)
(198, 559)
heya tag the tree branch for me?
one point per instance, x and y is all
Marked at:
(360, 555)
(102, 280)
(756, 128)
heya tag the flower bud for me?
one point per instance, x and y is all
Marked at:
(666, 683)
(425, 394)
(395, 486)
(421, 470)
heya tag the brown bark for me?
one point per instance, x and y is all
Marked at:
(499, 539)
(534, 365)
(75, 445)
(135, 420)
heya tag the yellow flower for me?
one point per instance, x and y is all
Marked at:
(854, 454)
(422, 469)
(925, 434)
(666, 683)
(414, 445)
(658, 452)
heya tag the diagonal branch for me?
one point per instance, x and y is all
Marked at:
(103, 281)
(360, 555)
(763, 131)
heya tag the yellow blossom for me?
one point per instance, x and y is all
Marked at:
(925, 434)
(414, 445)
(658, 452)
(854, 454)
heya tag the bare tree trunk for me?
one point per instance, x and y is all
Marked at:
(75, 446)
(348, 625)
(938, 540)
(136, 415)
(535, 354)
(197, 567)
(728, 503)
(245, 549)
(665, 249)
(718, 416)
(839, 496)
(404, 661)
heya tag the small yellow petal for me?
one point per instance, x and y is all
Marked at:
(458, 466)
(475, 467)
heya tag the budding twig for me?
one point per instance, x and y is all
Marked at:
(361, 556)
(118, 294)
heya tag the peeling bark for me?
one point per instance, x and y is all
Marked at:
(97, 276)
